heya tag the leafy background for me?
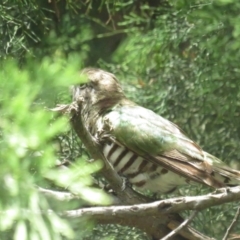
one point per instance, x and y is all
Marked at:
(178, 58)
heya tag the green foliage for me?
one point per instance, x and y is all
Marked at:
(27, 153)
(179, 58)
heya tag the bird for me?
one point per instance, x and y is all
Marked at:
(151, 152)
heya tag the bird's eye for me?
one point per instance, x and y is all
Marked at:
(85, 85)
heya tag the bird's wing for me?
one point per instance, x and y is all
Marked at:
(158, 140)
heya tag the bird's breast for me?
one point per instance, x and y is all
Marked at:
(141, 172)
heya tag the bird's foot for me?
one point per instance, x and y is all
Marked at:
(125, 183)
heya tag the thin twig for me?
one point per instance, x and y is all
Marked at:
(232, 225)
(60, 196)
(181, 226)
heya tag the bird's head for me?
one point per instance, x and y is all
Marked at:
(101, 89)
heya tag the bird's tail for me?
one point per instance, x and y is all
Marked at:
(221, 172)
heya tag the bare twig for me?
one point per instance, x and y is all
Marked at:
(180, 227)
(232, 225)
(60, 196)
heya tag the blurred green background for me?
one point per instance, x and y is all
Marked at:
(178, 58)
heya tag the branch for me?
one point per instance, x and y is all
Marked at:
(158, 208)
(180, 227)
(131, 215)
(232, 225)
(60, 196)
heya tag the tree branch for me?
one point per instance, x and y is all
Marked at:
(180, 227)
(232, 225)
(60, 196)
(158, 208)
